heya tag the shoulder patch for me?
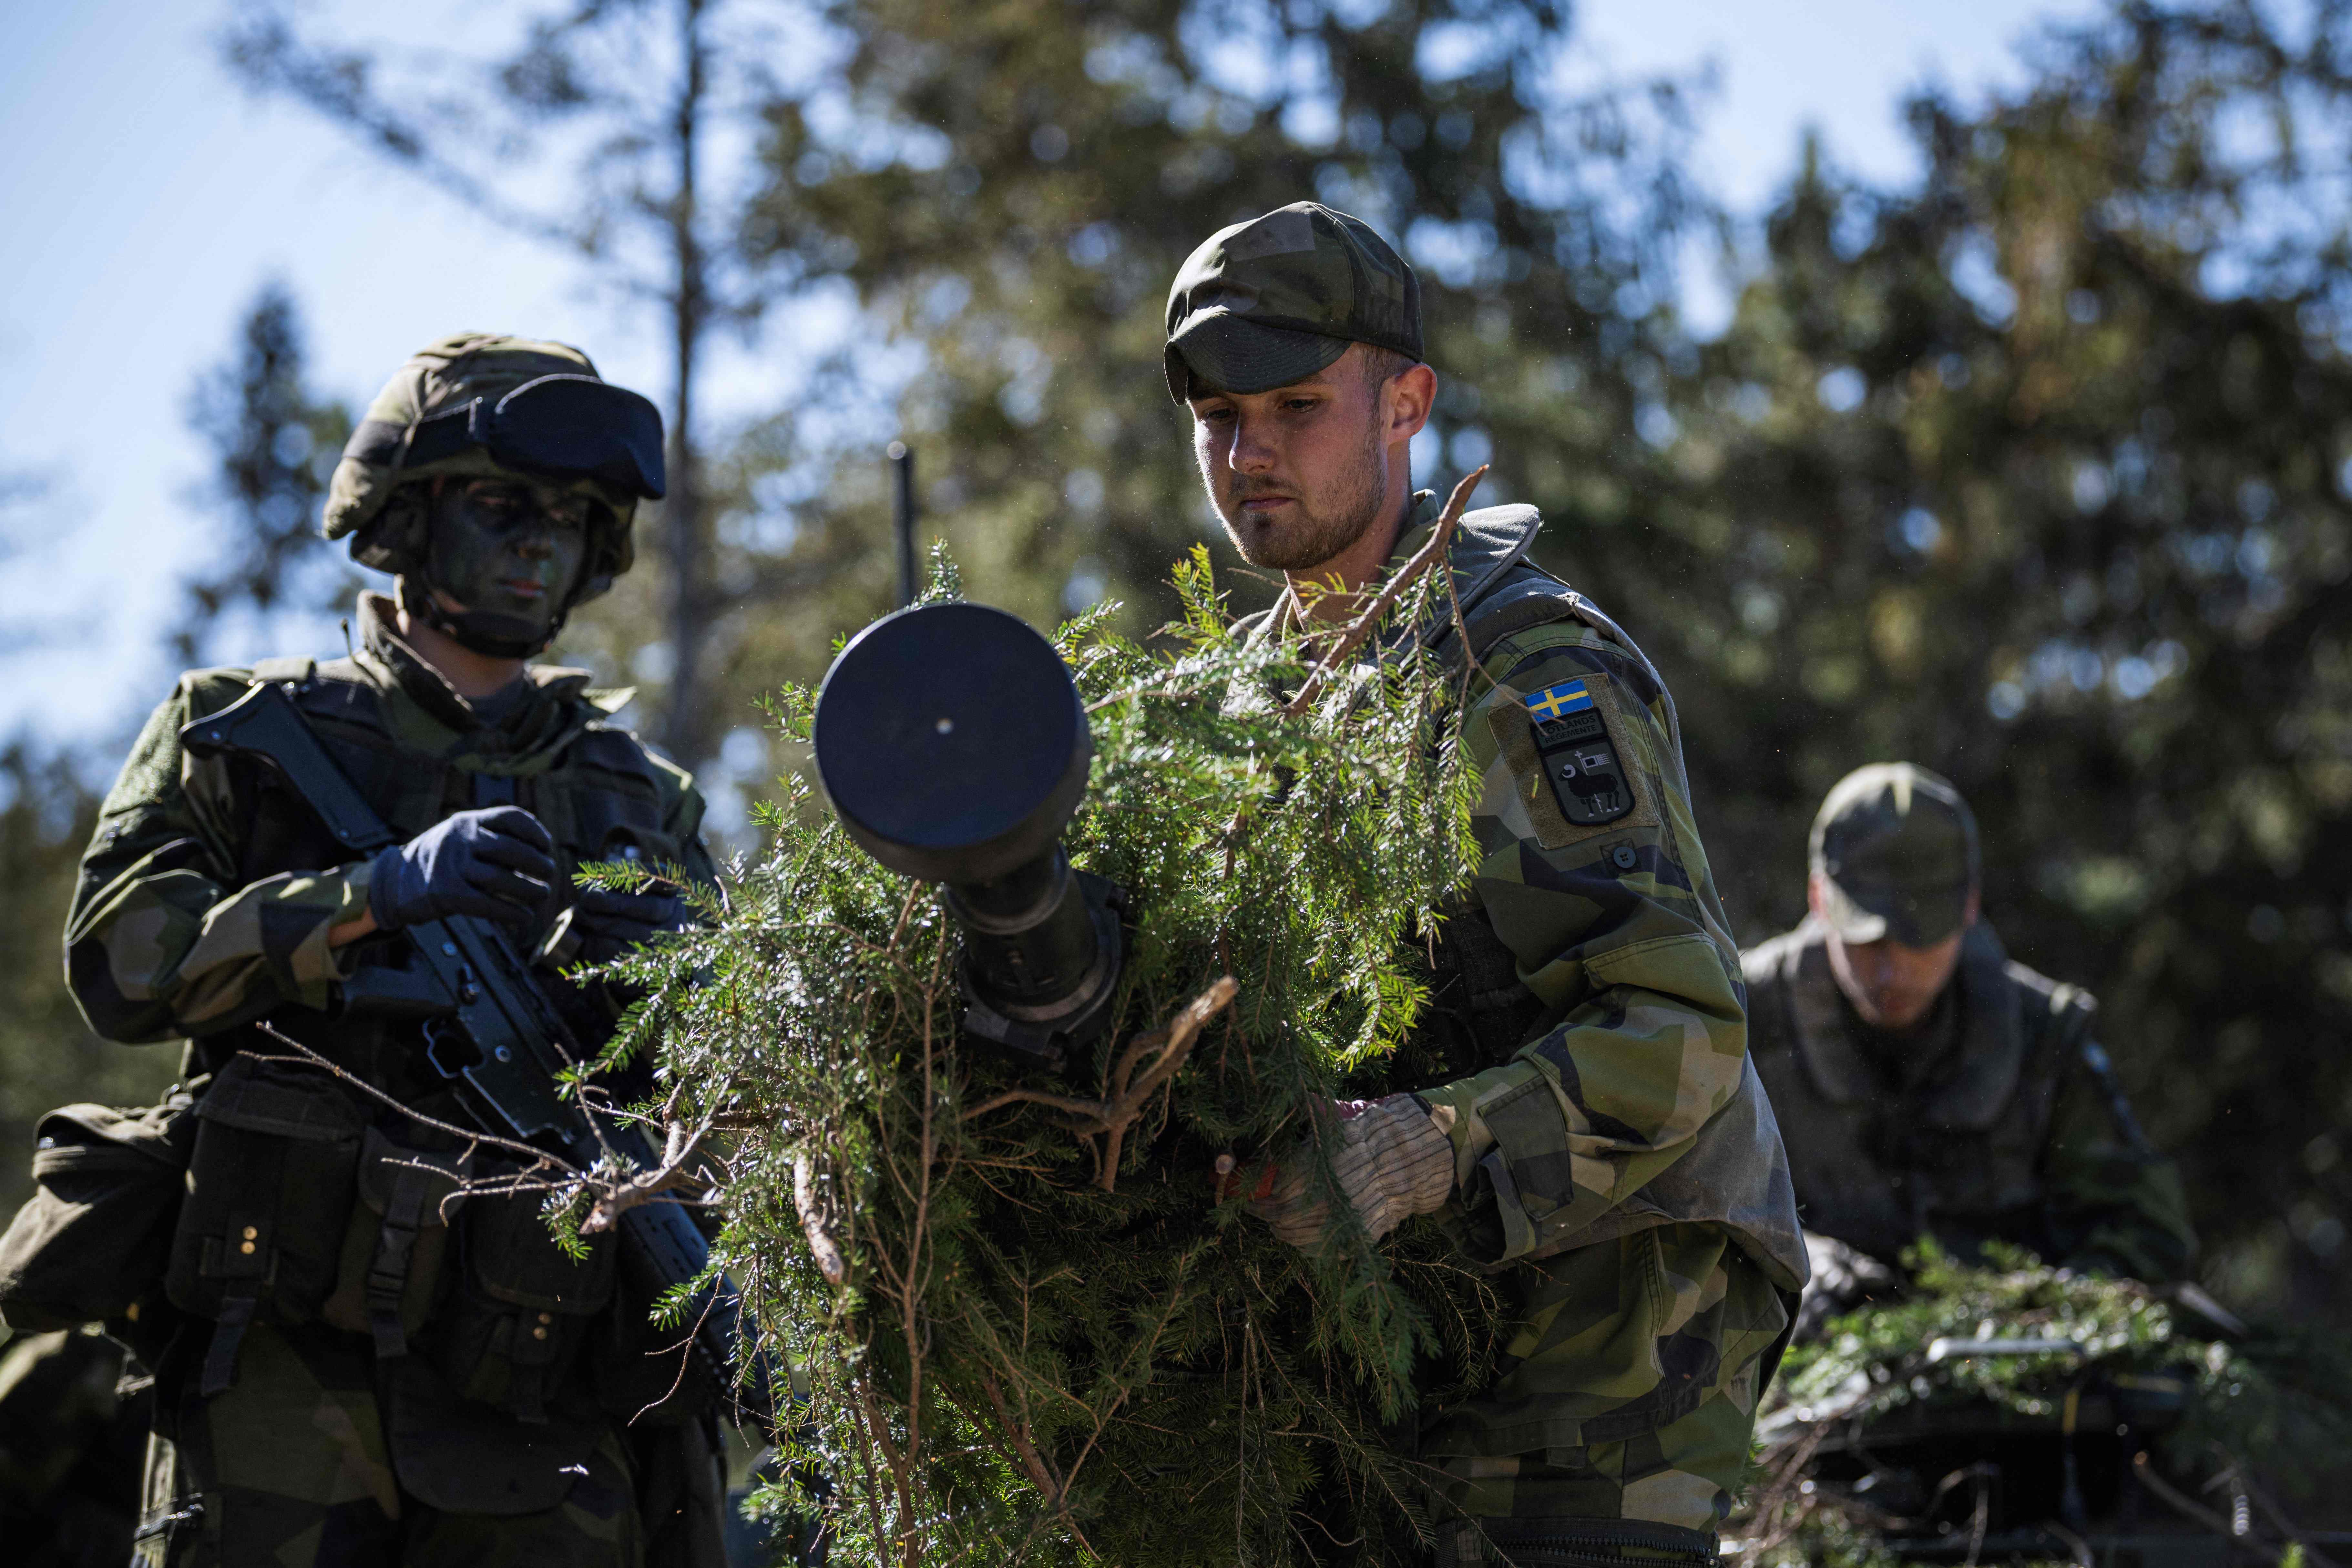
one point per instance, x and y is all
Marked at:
(1579, 759)
(1564, 747)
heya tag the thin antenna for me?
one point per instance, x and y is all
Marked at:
(902, 517)
(349, 651)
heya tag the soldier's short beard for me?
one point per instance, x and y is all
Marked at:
(1326, 524)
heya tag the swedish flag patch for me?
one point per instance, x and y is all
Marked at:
(1558, 702)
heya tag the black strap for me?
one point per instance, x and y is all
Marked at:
(396, 1253)
(446, 434)
(236, 1311)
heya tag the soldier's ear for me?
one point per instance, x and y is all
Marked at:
(1409, 396)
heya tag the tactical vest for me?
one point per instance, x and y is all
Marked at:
(1959, 1158)
(310, 1202)
(596, 792)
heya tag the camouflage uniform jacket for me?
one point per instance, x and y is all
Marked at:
(206, 897)
(2006, 1124)
(1587, 1010)
(203, 907)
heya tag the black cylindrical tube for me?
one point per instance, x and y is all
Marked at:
(1030, 940)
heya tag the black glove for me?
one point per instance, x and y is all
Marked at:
(497, 862)
(609, 924)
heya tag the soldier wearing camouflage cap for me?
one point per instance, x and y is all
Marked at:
(357, 1363)
(1581, 1110)
(1929, 1086)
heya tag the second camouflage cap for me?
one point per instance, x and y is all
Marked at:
(1272, 301)
(1896, 846)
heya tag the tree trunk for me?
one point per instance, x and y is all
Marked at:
(685, 727)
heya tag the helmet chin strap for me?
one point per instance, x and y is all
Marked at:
(492, 635)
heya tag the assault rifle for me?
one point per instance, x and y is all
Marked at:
(491, 1030)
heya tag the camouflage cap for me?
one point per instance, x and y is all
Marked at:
(1272, 301)
(444, 375)
(1895, 847)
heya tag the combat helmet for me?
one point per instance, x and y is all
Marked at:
(482, 405)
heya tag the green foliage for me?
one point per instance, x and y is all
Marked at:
(1011, 188)
(47, 1055)
(2275, 1392)
(273, 442)
(2277, 1395)
(1040, 1345)
(2033, 473)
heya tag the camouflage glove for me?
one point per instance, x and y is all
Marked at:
(1393, 1163)
(497, 863)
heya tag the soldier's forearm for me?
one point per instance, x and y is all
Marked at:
(349, 932)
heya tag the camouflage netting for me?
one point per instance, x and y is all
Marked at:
(1941, 1424)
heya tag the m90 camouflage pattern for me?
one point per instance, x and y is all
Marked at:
(492, 1031)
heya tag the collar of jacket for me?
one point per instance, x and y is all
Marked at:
(557, 708)
(1487, 544)
(1971, 1088)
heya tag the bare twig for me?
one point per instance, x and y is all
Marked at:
(308, 1057)
(680, 1151)
(1394, 589)
(815, 1224)
(1147, 1062)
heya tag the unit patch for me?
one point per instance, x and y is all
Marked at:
(1577, 755)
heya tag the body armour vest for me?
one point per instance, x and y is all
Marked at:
(601, 795)
(1956, 1153)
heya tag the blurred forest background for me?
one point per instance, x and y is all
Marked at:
(2037, 471)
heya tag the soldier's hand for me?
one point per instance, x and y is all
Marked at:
(610, 923)
(1392, 1162)
(499, 863)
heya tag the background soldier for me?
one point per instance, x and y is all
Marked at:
(1927, 1084)
(1594, 1126)
(360, 1371)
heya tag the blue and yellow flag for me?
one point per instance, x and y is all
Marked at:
(1558, 702)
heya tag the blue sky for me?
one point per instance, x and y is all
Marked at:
(147, 197)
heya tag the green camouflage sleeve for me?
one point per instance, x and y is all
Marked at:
(2119, 1203)
(1592, 876)
(161, 940)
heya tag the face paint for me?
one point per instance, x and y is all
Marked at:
(507, 553)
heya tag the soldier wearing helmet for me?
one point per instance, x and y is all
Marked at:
(1929, 1085)
(363, 1355)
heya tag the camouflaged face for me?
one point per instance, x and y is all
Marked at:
(444, 374)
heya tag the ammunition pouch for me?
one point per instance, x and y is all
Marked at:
(95, 1235)
(395, 1243)
(521, 1310)
(270, 1187)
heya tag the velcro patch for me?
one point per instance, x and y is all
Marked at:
(1577, 756)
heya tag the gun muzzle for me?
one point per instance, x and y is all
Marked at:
(951, 742)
